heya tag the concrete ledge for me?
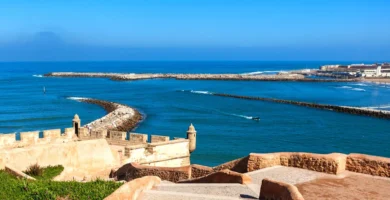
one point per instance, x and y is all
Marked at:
(17, 173)
(224, 176)
(133, 189)
(278, 190)
(333, 163)
(366, 164)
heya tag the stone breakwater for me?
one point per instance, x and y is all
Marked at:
(343, 109)
(236, 77)
(119, 118)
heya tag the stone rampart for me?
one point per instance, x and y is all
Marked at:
(132, 171)
(238, 165)
(173, 153)
(133, 189)
(328, 163)
(366, 164)
(138, 137)
(278, 190)
(159, 138)
(200, 171)
(117, 135)
(32, 138)
(223, 176)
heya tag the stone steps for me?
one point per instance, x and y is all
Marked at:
(202, 191)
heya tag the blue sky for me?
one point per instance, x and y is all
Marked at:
(195, 30)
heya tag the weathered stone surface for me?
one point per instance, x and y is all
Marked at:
(52, 134)
(329, 163)
(7, 139)
(132, 171)
(200, 171)
(87, 156)
(118, 135)
(138, 137)
(224, 176)
(133, 189)
(366, 164)
(238, 165)
(272, 190)
(159, 138)
(29, 137)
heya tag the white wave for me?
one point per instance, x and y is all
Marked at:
(37, 75)
(358, 89)
(200, 92)
(261, 72)
(345, 87)
(360, 84)
(379, 107)
(77, 98)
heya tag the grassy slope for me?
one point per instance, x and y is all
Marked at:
(43, 188)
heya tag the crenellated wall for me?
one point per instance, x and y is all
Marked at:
(32, 138)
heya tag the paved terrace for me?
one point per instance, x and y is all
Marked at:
(312, 185)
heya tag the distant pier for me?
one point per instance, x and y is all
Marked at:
(230, 77)
(343, 109)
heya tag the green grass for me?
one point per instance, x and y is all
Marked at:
(43, 188)
(49, 172)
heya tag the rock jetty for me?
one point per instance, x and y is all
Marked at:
(237, 77)
(119, 118)
(343, 109)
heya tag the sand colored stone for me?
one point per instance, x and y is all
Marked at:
(133, 189)
(223, 176)
(271, 189)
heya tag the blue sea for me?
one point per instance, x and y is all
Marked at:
(225, 130)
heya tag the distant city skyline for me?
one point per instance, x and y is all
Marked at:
(195, 30)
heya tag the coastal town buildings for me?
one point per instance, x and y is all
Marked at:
(358, 70)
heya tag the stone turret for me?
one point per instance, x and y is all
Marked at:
(76, 124)
(191, 135)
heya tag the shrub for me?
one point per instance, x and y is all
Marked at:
(34, 170)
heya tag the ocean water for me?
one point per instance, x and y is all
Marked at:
(225, 130)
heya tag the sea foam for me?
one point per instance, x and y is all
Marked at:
(37, 75)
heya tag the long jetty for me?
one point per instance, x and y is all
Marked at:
(343, 109)
(235, 77)
(119, 117)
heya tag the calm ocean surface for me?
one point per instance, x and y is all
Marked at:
(224, 130)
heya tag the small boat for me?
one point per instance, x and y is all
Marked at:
(256, 118)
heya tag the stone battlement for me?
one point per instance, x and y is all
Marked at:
(33, 138)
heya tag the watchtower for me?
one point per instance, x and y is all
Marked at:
(76, 124)
(191, 136)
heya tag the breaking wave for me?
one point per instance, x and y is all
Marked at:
(37, 75)
(352, 88)
(200, 92)
(262, 72)
(77, 98)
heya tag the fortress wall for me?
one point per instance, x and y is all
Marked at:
(32, 138)
(223, 176)
(117, 135)
(328, 163)
(271, 189)
(171, 153)
(81, 155)
(29, 137)
(158, 138)
(7, 139)
(138, 137)
(132, 171)
(52, 134)
(366, 164)
(238, 165)
(200, 170)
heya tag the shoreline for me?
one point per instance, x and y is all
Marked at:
(119, 117)
(227, 77)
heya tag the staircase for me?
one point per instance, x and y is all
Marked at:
(203, 191)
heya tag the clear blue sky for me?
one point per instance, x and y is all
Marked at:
(195, 30)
